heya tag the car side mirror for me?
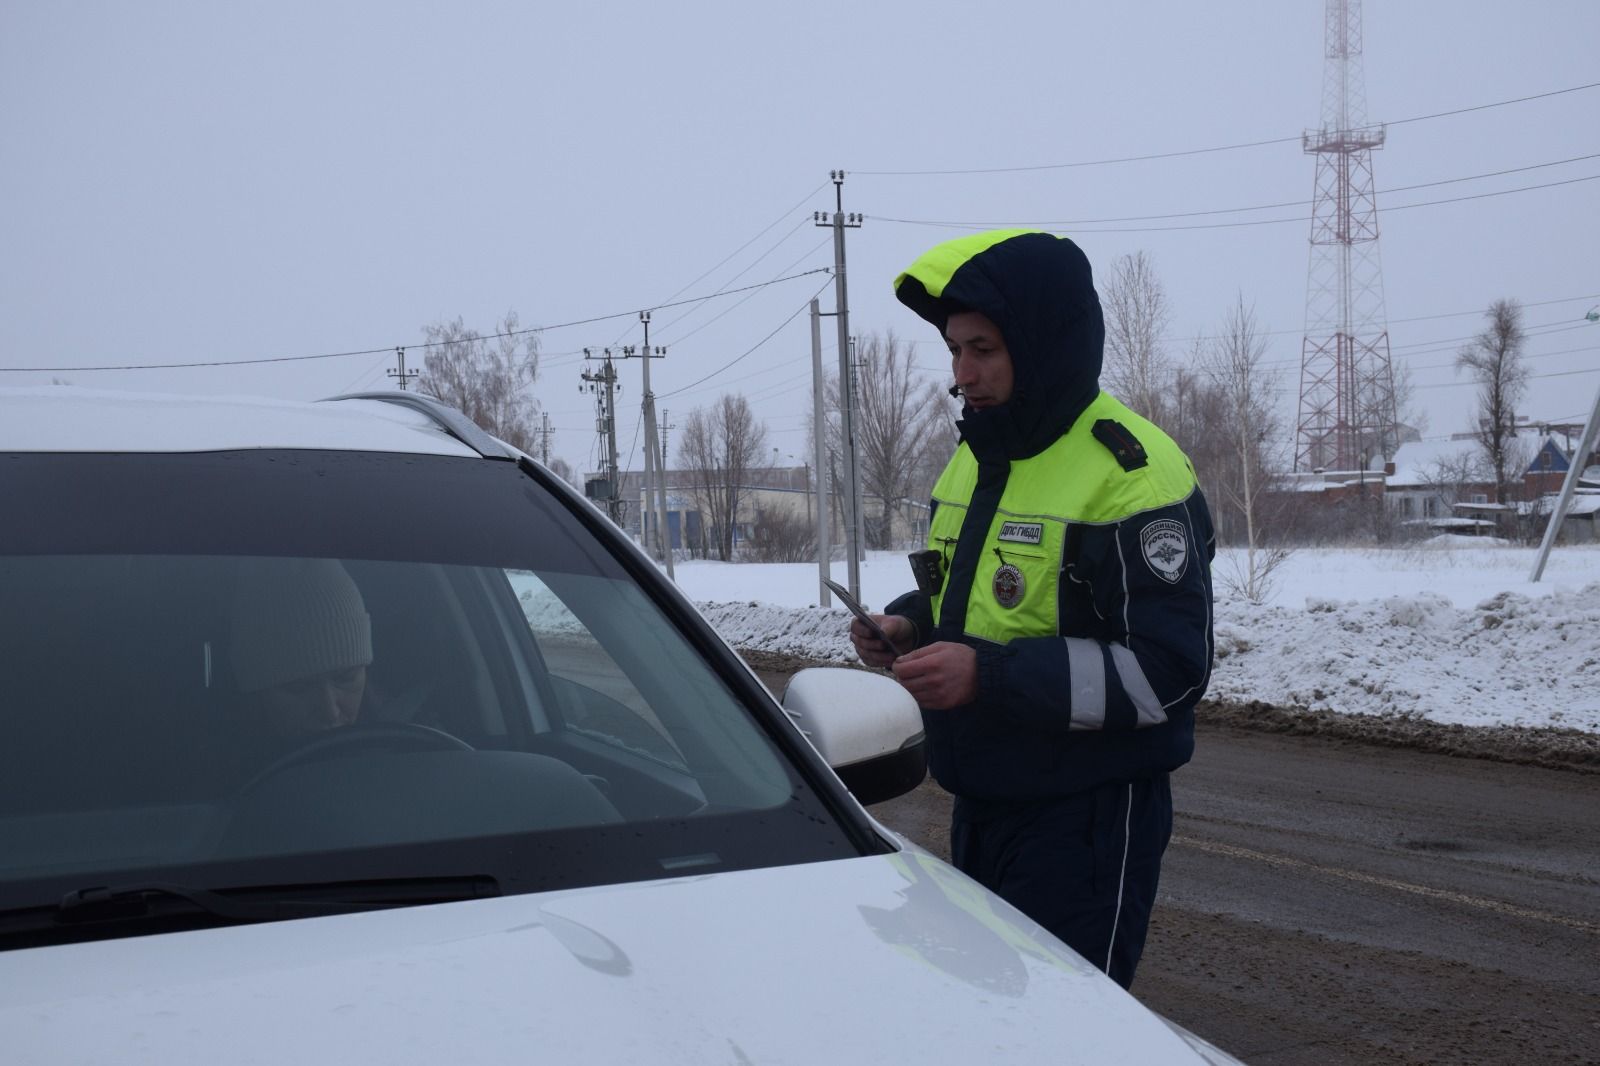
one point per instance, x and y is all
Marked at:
(865, 725)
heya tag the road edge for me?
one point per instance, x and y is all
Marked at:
(1553, 749)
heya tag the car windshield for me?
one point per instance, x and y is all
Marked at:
(288, 668)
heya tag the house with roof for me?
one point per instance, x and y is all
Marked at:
(1448, 486)
(1426, 478)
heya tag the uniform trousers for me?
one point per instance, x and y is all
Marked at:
(1084, 866)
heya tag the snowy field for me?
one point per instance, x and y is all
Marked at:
(1452, 634)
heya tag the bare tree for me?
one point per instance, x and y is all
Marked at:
(1412, 416)
(1245, 388)
(905, 433)
(1136, 314)
(779, 535)
(563, 470)
(718, 448)
(1446, 480)
(488, 378)
(902, 418)
(1193, 413)
(1494, 358)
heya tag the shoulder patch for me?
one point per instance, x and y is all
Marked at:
(1122, 444)
(1166, 549)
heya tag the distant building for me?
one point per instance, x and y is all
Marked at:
(1447, 486)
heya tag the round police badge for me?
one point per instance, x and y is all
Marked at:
(1009, 585)
(1166, 549)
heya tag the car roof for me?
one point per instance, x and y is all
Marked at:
(65, 418)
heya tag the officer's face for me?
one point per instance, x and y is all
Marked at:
(979, 357)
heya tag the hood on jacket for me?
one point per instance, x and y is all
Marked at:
(1038, 289)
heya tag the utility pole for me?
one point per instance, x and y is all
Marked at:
(818, 443)
(857, 502)
(401, 375)
(655, 492)
(544, 438)
(603, 383)
(847, 401)
(683, 528)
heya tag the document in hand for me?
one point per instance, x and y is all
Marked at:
(859, 611)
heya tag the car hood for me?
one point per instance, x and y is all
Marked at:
(883, 959)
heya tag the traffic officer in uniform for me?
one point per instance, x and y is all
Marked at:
(1060, 635)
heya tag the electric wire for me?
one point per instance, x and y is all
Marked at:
(367, 373)
(1524, 355)
(1228, 210)
(390, 348)
(749, 267)
(1443, 344)
(763, 232)
(751, 349)
(1530, 377)
(1471, 382)
(1190, 339)
(1205, 151)
(808, 253)
(1254, 222)
(797, 205)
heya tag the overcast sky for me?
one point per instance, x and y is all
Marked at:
(205, 182)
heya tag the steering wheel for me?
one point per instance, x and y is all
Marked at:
(374, 736)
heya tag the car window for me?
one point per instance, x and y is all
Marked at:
(448, 670)
(600, 700)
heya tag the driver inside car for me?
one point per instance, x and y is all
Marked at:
(300, 644)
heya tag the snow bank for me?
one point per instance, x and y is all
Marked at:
(1511, 660)
(1455, 636)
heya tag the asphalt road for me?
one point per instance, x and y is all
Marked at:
(1334, 901)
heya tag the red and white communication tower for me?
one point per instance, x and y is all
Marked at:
(1347, 413)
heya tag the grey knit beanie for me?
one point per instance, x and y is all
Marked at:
(295, 618)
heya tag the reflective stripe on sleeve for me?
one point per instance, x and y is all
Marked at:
(1137, 686)
(1087, 669)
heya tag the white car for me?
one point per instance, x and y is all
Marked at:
(341, 732)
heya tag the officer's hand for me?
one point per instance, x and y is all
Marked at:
(870, 649)
(940, 676)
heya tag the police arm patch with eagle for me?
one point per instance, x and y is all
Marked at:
(1165, 544)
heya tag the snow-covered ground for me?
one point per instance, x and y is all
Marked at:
(1449, 633)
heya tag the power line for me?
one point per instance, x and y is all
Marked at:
(1300, 219)
(1444, 343)
(1205, 151)
(1531, 377)
(386, 351)
(1479, 311)
(807, 254)
(1524, 355)
(365, 374)
(1464, 384)
(752, 348)
(798, 204)
(628, 466)
(1191, 338)
(748, 267)
(764, 230)
(1235, 210)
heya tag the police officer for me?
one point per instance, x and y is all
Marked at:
(1060, 636)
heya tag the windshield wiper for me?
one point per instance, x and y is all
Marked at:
(118, 910)
(112, 902)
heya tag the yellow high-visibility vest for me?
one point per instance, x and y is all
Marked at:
(1076, 480)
